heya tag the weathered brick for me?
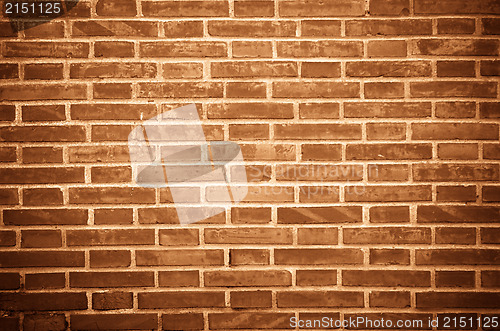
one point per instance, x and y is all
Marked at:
(110, 237)
(248, 278)
(185, 9)
(317, 256)
(404, 278)
(387, 235)
(314, 8)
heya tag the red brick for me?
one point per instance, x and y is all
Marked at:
(317, 131)
(456, 7)
(113, 70)
(185, 70)
(389, 256)
(111, 195)
(181, 89)
(386, 278)
(112, 300)
(185, 278)
(250, 278)
(388, 151)
(490, 110)
(490, 26)
(236, 28)
(456, 193)
(268, 152)
(388, 27)
(389, 214)
(491, 193)
(387, 109)
(248, 131)
(490, 235)
(9, 71)
(185, 9)
(455, 47)
(490, 68)
(387, 48)
(457, 257)
(9, 196)
(319, 215)
(114, 321)
(185, 257)
(320, 48)
(112, 111)
(43, 71)
(455, 172)
(455, 109)
(44, 92)
(44, 281)
(114, 28)
(319, 194)
(168, 215)
(9, 281)
(111, 237)
(327, 299)
(41, 238)
(248, 236)
(113, 49)
(317, 236)
(46, 49)
(244, 48)
(250, 110)
(392, 299)
(314, 8)
(183, 321)
(316, 277)
(43, 113)
(457, 236)
(251, 299)
(491, 151)
(33, 322)
(185, 299)
(112, 91)
(320, 28)
(113, 216)
(320, 152)
(45, 217)
(42, 197)
(249, 257)
(457, 300)
(111, 279)
(456, 69)
(387, 235)
(319, 110)
(453, 89)
(116, 8)
(320, 69)
(21, 259)
(384, 90)
(390, 8)
(452, 131)
(458, 151)
(249, 320)
(490, 278)
(186, 49)
(179, 237)
(457, 214)
(111, 132)
(389, 69)
(317, 256)
(109, 259)
(44, 301)
(246, 69)
(111, 174)
(455, 279)
(257, 8)
(386, 131)
(7, 112)
(41, 175)
(42, 134)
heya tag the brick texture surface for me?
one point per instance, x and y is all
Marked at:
(370, 134)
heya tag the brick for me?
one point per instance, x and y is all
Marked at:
(390, 8)
(184, 70)
(456, 69)
(389, 256)
(457, 257)
(183, 321)
(185, 257)
(187, 49)
(251, 299)
(21, 259)
(248, 131)
(456, 193)
(111, 174)
(249, 110)
(110, 237)
(111, 195)
(10, 281)
(179, 237)
(455, 47)
(43, 301)
(43, 113)
(246, 48)
(91, 154)
(316, 277)
(257, 8)
(113, 49)
(8, 154)
(455, 172)
(112, 111)
(457, 300)
(388, 69)
(313, 110)
(490, 26)
(400, 278)
(489, 110)
(181, 89)
(387, 109)
(114, 321)
(7, 112)
(491, 151)
(319, 194)
(491, 193)
(321, 152)
(9, 71)
(7, 238)
(186, 278)
(168, 215)
(246, 278)
(185, 9)
(43, 71)
(388, 193)
(116, 8)
(456, 26)
(258, 173)
(456, 7)
(44, 92)
(246, 320)
(44, 281)
(490, 278)
(41, 238)
(457, 236)
(185, 299)
(319, 215)
(387, 235)
(249, 257)
(389, 214)
(490, 68)
(113, 216)
(112, 300)
(455, 279)
(109, 259)
(388, 27)
(455, 109)
(457, 214)
(384, 90)
(42, 197)
(317, 236)
(302, 299)
(314, 8)
(114, 28)
(458, 151)
(41, 175)
(386, 131)
(454, 131)
(388, 151)
(245, 69)
(10, 323)
(318, 172)
(317, 131)
(45, 217)
(490, 235)
(9, 196)
(113, 70)
(111, 279)
(320, 69)
(111, 132)
(236, 28)
(50, 321)
(387, 48)
(248, 236)
(42, 134)
(46, 49)
(320, 48)
(317, 256)
(392, 299)
(320, 28)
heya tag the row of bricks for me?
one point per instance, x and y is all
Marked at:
(216, 299)
(260, 215)
(250, 278)
(284, 48)
(281, 90)
(284, 8)
(251, 236)
(306, 194)
(260, 28)
(250, 69)
(113, 112)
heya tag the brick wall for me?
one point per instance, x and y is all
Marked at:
(397, 99)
